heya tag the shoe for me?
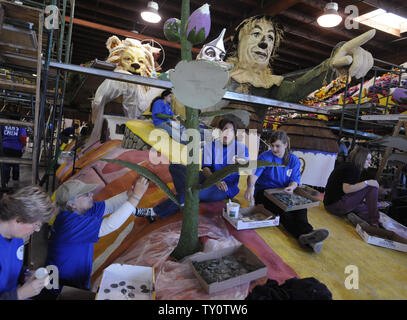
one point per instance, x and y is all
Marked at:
(355, 219)
(317, 247)
(314, 237)
(151, 219)
(16, 183)
(144, 212)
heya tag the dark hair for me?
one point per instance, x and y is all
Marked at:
(163, 94)
(224, 122)
(283, 137)
(358, 157)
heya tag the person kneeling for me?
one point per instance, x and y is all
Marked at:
(81, 223)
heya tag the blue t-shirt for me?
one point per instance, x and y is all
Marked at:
(216, 156)
(11, 263)
(11, 136)
(71, 245)
(68, 131)
(159, 106)
(277, 177)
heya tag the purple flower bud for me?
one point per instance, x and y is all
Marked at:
(172, 29)
(199, 25)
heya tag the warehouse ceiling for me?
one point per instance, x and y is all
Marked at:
(305, 43)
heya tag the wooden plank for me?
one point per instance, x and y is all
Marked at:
(126, 33)
(16, 123)
(384, 117)
(10, 85)
(36, 147)
(20, 12)
(1, 17)
(269, 194)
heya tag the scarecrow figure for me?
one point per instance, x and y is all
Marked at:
(254, 46)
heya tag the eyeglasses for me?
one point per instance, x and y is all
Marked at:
(85, 195)
(37, 225)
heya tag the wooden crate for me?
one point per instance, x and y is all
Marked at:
(269, 193)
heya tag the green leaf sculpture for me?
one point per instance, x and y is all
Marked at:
(147, 174)
(224, 172)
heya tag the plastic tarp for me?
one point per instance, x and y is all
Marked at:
(175, 280)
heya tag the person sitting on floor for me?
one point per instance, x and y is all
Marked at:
(81, 223)
(216, 155)
(346, 193)
(287, 177)
(21, 214)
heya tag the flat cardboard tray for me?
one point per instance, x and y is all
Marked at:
(382, 238)
(252, 218)
(137, 281)
(211, 288)
(270, 192)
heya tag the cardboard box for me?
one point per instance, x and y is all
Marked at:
(71, 293)
(269, 193)
(249, 218)
(382, 238)
(137, 281)
(259, 272)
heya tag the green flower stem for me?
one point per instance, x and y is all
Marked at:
(188, 242)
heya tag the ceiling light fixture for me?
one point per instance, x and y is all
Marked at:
(330, 18)
(150, 14)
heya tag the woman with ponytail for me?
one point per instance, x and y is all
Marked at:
(287, 177)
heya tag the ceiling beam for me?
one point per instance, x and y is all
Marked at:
(304, 47)
(296, 54)
(274, 7)
(341, 32)
(126, 33)
(229, 10)
(400, 10)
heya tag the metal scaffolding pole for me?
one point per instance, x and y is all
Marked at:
(229, 95)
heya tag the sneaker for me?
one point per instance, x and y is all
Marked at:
(313, 237)
(144, 212)
(317, 247)
(355, 219)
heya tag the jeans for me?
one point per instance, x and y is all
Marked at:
(174, 133)
(15, 168)
(178, 173)
(295, 222)
(354, 202)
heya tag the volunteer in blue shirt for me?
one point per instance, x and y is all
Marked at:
(81, 223)
(216, 155)
(164, 118)
(287, 177)
(21, 214)
(14, 141)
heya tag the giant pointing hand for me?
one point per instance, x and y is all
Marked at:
(351, 54)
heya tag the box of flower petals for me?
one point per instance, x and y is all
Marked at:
(226, 268)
